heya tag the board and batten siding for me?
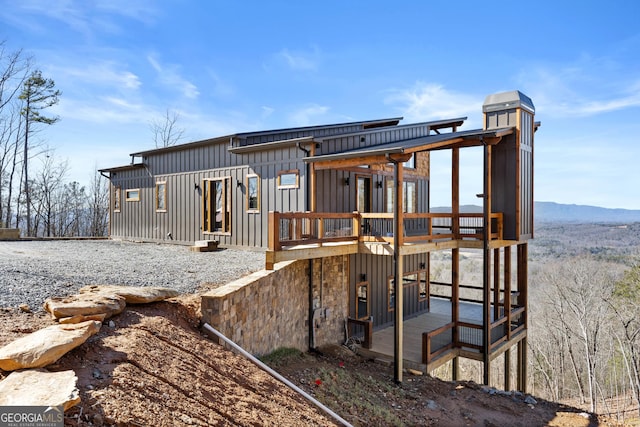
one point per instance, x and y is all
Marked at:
(377, 270)
(184, 186)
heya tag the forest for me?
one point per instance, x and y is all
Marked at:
(584, 315)
(35, 193)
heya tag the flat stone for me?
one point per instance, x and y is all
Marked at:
(85, 304)
(44, 347)
(38, 387)
(132, 294)
(78, 318)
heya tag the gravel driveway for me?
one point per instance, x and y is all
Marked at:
(32, 271)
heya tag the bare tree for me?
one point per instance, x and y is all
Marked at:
(98, 206)
(166, 131)
(48, 182)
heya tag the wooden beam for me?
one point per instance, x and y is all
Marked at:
(354, 162)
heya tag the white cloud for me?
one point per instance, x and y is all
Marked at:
(587, 88)
(169, 76)
(428, 101)
(307, 115)
(99, 73)
(301, 60)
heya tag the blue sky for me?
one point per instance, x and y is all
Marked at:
(238, 66)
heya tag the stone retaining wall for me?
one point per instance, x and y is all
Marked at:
(270, 308)
(9, 233)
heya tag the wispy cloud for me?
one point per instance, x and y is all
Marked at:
(170, 77)
(80, 16)
(427, 101)
(307, 115)
(302, 61)
(588, 87)
(103, 73)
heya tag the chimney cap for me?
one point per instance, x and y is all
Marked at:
(507, 101)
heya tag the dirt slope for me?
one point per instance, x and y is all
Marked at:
(153, 368)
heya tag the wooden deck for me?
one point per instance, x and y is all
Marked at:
(440, 314)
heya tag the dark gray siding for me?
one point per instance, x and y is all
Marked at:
(526, 175)
(377, 270)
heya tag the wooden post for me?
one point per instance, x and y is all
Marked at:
(398, 231)
(507, 370)
(455, 192)
(486, 280)
(455, 305)
(523, 301)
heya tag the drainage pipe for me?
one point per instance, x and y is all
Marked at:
(277, 376)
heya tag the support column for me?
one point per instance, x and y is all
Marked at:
(507, 370)
(486, 279)
(398, 231)
(455, 304)
(523, 301)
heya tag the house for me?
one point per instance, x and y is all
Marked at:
(352, 200)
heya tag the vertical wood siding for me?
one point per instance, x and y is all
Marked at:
(377, 270)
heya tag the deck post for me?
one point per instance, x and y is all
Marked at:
(398, 229)
(486, 267)
(523, 301)
(507, 370)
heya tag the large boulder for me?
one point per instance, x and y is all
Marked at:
(38, 387)
(85, 304)
(43, 347)
(132, 294)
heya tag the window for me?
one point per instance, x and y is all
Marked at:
(116, 199)
(423, 292)
(411, 163)
(132, 195)
(216, 205)
(409, 196)
(253, 193)
(161, 196)
(288, 179)
(362, 301)
(363, 194)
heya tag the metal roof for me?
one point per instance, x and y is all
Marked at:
(425, 143)
(366, 124)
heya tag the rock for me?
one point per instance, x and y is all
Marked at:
(432, 405)
(24, 308)
(38, 387)
(132, 294)
(85, 304)
(44, 347)
(78, 318)
(530, 400)
(112, 324)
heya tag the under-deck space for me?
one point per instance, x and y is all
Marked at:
(436, 326)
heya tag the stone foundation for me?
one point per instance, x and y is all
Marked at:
(9, 233)
(270, 309)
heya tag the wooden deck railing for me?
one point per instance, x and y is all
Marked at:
(470, 335)
(314, 228)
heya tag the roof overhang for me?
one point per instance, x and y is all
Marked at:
(381, 154)
(271, 145)
(131, 166)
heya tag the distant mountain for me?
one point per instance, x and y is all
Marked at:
(557, 212)
(550, 211)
